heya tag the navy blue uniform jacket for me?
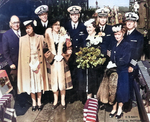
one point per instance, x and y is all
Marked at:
(106, 44)
(10, 44)
(136, 41)
(77, 35)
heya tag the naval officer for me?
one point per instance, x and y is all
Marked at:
(136, 41)
(42, 23)
(78, 34)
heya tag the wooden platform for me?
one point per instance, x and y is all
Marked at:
(73, 113)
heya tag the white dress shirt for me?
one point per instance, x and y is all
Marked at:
(44, 24)
(18, 32)
(100, 26)
(130, 31)
(74, 24)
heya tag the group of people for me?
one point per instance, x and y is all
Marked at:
(45, 56)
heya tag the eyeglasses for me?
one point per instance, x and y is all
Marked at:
(15, 23)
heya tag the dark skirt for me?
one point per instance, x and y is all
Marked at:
(122, 94)
(95, 76)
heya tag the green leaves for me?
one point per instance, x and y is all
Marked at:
(89, 57)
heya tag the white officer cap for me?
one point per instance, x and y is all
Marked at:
(102, 12)
(41, 9)
(131, 16)
(88, 22)
(74, 9)
(116, 28)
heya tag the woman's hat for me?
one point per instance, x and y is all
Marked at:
(88, 22)
(28, 22)
(116, 28)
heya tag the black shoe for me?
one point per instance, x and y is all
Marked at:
(33, 108)
(63, 107)
(54, 106)
(112, 115)
(119, 116)
(40, 108)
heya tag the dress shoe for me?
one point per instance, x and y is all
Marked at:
(40, 108)
(112, 115)
(63, 107)
(119, 116)
(54, 106)
(33, 108)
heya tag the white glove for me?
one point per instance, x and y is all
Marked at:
(58, 57)
(111, 65)
(34, 66)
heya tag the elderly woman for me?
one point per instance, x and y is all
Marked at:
(120, 55)
(59, 74)
(32, 74)
(93, 40)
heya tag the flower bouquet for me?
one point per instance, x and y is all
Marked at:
(89, 57)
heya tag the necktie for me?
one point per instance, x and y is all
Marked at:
(44, 26)
(18, 34)
(74, 27)
(128, 33)
(101, 28)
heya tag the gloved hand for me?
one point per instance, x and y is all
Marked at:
(58, 57)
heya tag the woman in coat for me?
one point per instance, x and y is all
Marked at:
(32, 74)
(93, 40)
(58, 73)
(120, 55)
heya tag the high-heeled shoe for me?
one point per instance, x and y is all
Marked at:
(39, 108)
(112, 115)
(119, 116)
(54, 106)
(33, 108)
(64, 107)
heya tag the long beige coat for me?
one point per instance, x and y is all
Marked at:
(23, 64)
(59, 73)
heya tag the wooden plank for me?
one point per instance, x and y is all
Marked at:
(132, 116)
(73, 113)
(43, 116)
(29, 115)
(101, 115)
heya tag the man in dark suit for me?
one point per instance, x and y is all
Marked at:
(10, 44)
(78, 34)
(136, 41)
(42, 23)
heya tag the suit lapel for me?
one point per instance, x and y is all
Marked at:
(14, 35)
